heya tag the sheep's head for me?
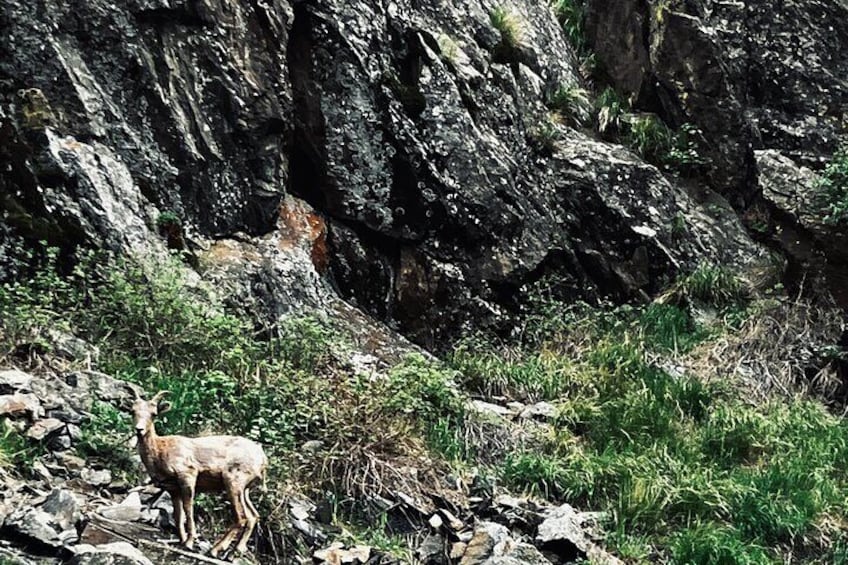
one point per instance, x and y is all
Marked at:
(145, 412)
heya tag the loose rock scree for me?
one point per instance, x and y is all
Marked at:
(184, 466)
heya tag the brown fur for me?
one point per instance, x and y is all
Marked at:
(185, 466)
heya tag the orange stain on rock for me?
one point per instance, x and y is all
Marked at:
(300, 226)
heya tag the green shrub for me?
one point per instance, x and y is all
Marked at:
(168, 220)
(421, 388)
(105, 440)
(833, 186)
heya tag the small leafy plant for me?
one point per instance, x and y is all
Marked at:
(572, 103)
(833, 186)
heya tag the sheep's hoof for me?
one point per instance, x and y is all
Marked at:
(189, 544)
(241, 549)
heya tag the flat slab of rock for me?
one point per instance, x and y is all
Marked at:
(43, 428)
(336, 554)
(96, 477)
(115, 553)
(12, 380)
(20, 404)
(539, 411)
(490, 409)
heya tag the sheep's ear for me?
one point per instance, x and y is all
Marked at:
(163, 407)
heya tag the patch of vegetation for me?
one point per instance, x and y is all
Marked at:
(448, 48)
(16, 451)
(713, 285)
(834, 188)
(655, 142)
(283, 388)
(572, 103)
(686, 470)
(611, 109)
(510, 27)
(571, 15)
(544, 137)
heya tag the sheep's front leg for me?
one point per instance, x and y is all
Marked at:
(179, 515)
(187, 492)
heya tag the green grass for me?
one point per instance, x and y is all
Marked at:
(684, 469)
(658, 144)
(571, 16)
(713, 285)
(17, 452)
(833, 188)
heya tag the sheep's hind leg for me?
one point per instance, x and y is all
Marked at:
(234, 490)
(252, 519)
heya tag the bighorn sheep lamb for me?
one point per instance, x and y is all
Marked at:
(184, 466)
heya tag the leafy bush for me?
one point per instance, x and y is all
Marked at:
(834, 188)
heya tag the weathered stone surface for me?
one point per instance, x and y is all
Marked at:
(12, 380)
(115, 553)
(96, 477)
(539, 411)
(51, 524)
(43, 428)
(563, 533)
(18, 404)
(487, 537)
(406, 127)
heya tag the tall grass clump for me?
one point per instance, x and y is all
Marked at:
(713, 285)
(571, 16)
(510, 27)
(572, 103)
(655, 142)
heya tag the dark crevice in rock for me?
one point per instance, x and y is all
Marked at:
(183, 15)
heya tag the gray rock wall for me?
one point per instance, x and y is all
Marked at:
(419, 140)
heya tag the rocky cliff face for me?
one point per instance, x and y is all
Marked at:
(426, 181)
(765, 81)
